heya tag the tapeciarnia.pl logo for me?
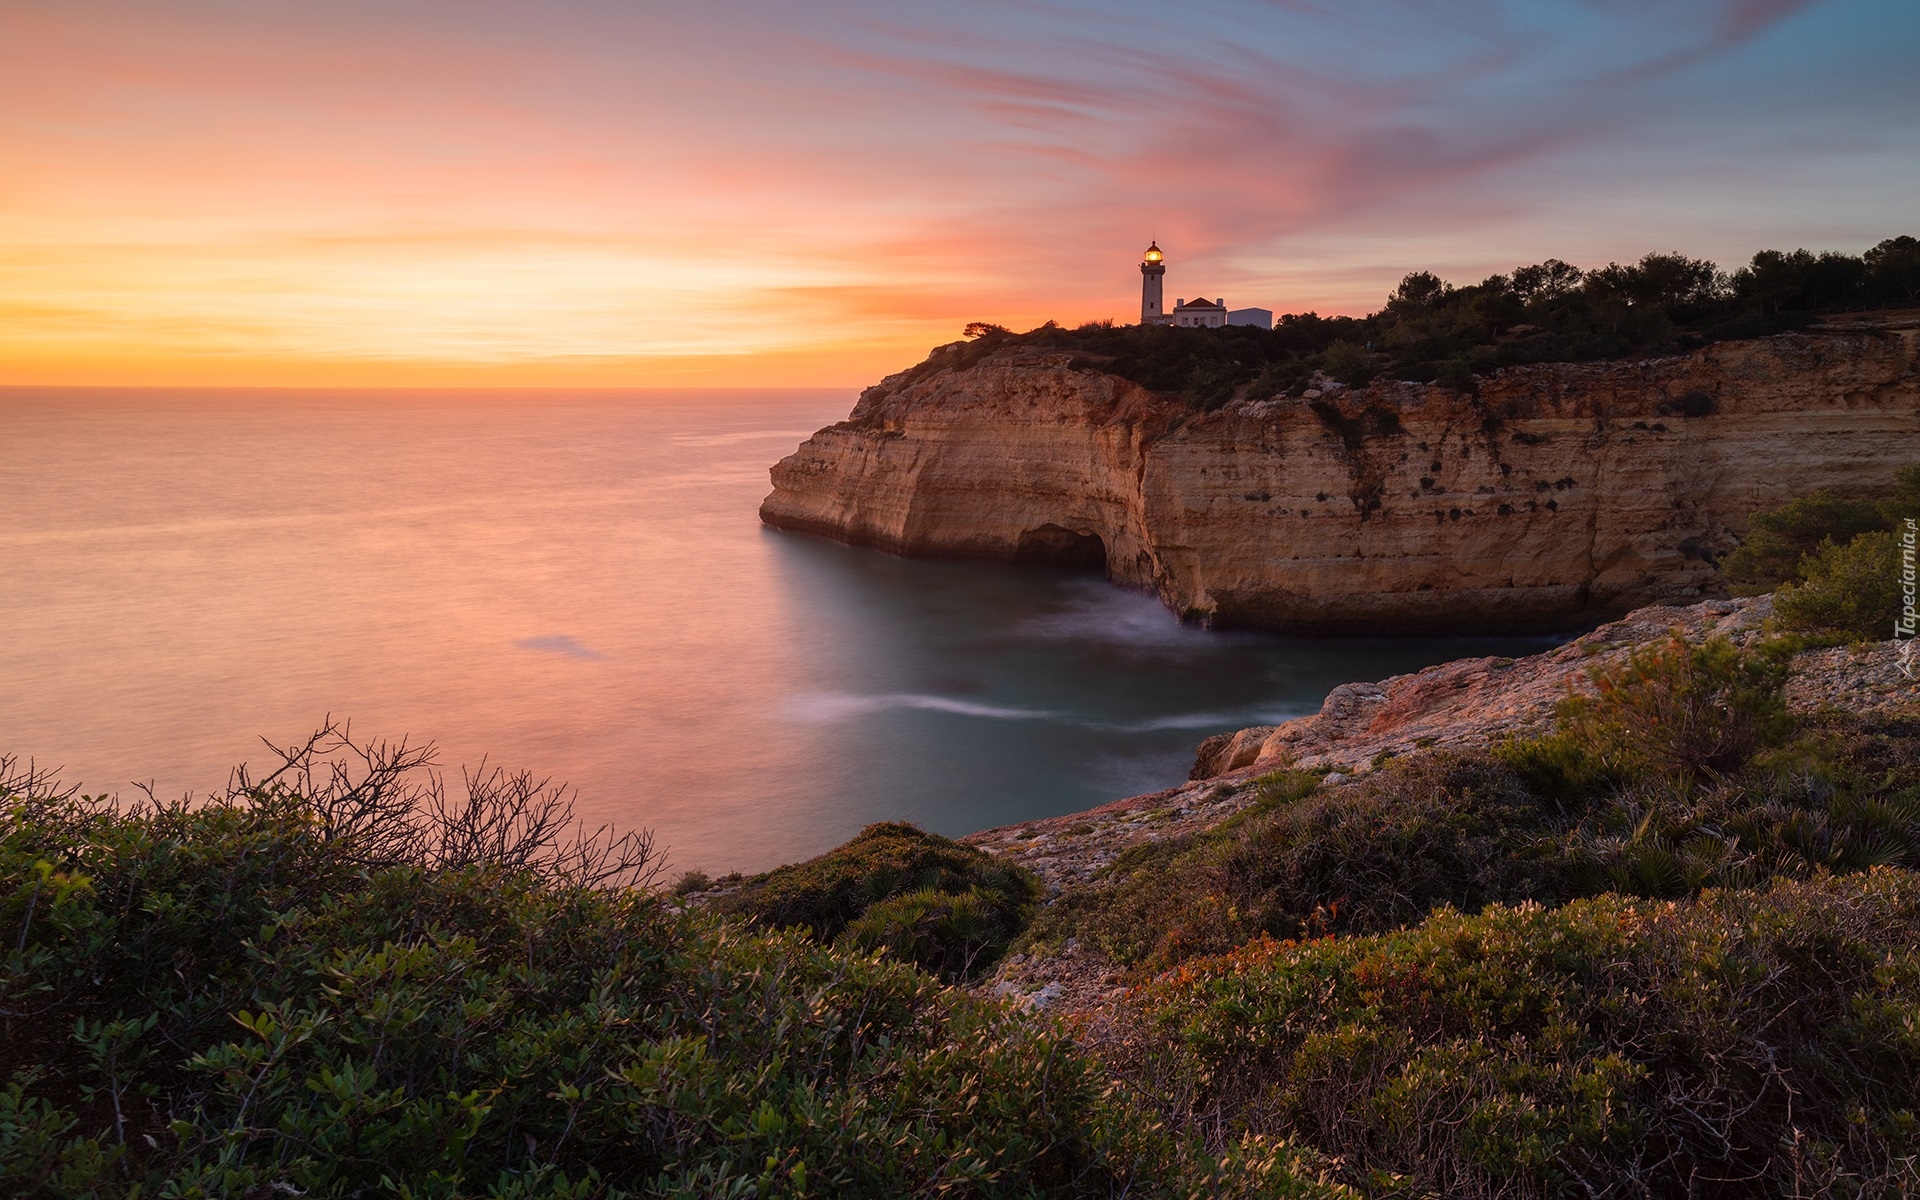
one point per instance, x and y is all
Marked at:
(1903, 625)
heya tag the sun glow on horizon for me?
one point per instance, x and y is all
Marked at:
(204, 193)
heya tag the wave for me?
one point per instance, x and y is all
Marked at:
(822, 708)
(727, 439)
(1097, 611)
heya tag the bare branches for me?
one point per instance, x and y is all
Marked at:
(32, 783)
(33, 794)
(517, 821)
(386, 804)
(368, 795)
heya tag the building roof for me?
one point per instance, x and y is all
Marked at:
(1201, 302)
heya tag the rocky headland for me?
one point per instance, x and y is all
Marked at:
(1552, 495)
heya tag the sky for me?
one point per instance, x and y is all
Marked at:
(627, 193)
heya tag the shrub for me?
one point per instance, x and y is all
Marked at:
(1744, 1044)
(1680, 710)
(1849, 591)
(1780, 537)
(1904, 504)
(691, 882)
(1419, 832)
(1456, 373)
(1349, 362)
(222, 1001)
(1739, 835)
(974, 903)
(949, 934)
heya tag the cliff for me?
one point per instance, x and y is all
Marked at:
(1558, 494)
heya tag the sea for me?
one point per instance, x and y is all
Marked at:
(576, 583)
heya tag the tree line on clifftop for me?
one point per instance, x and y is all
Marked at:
(1431, 331)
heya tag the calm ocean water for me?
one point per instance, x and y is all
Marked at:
(578, 584)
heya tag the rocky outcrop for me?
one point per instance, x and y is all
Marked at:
(1559, 494)
(1466, 704)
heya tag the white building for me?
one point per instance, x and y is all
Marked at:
(1200, 313)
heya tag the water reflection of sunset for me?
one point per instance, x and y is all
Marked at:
(594, 193)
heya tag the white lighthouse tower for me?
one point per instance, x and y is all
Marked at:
(1152, 270)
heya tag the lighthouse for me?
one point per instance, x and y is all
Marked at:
(1152, 270)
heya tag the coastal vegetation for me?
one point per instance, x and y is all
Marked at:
(1680, 770)
(1433, 331)
(1833, 558)
(924, 898)
(1670, 948)
(1752, 1042)
(267, 993)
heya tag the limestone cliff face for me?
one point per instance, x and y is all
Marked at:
(1560, 493)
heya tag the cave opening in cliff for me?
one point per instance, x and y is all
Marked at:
(1057, 546)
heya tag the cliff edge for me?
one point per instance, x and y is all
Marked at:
(1557, 494)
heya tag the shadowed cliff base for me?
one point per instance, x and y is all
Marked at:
(1054, 546)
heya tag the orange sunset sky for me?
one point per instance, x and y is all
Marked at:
(626, 193)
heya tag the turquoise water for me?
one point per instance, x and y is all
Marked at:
(578, 584)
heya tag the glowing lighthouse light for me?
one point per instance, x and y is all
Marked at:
(1152, 271)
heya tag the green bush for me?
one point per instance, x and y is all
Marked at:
(968, 904)
(1740, 836)
(225, 1001)
(1904, 504)
(1349, 362)
(1680, 710)
(1456, 373)
(1780, 537)
(1791, 542)
(1756, 1043)
(1415, 834)
(1847, 592)
(949, 934)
